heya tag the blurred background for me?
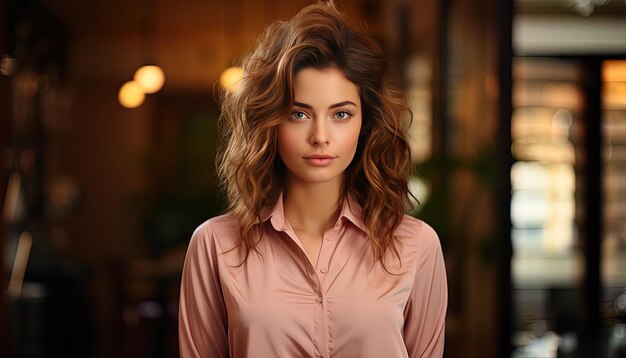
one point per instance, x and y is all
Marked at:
(519, 139)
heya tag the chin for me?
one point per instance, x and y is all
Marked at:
(319, 178)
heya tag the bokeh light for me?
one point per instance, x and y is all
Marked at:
(151, 78)
(230, 77)
(131, 95)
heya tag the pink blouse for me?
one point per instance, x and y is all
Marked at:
(279, 305)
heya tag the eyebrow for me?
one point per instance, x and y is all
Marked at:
(336, 105)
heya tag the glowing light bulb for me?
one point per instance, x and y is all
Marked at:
(151, 78)
(230, 77)
(131, 95)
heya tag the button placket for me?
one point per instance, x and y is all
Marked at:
(328, 247)
(320, 325)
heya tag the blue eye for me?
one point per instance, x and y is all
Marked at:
(298, 115)
(342, 115)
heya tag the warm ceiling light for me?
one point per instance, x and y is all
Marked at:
(151, 78)
(230, 77)
(131, 95)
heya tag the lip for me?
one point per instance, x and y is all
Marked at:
(319, 156)
(319, 160)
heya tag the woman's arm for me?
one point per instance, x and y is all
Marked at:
(202, 322)
(425, 314)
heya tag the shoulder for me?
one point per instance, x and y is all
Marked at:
(217, 231)
(413, 229)
(417, 236)
(225, 224)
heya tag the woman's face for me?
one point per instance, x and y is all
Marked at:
(318, 140)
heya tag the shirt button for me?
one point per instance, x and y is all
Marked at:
(324, 269)
(318, 299)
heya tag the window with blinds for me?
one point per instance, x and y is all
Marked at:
(614, 182)
(547, 265)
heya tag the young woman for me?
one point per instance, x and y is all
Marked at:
(315, 257)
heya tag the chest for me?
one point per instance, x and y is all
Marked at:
(311, 244)
(280, 293)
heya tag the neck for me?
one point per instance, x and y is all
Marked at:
(312, 207)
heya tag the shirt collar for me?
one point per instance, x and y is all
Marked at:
(350, 210)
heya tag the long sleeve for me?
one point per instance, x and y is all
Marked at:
(202, 323)
(425, 313)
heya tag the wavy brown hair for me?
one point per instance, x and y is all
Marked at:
(252, 173)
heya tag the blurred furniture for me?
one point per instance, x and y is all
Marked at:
(145, 293)
(52, 317)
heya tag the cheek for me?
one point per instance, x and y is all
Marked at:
(351, 138)
(285, 141)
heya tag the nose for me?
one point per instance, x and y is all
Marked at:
(319, 132)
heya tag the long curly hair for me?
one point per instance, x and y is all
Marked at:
(249, 166)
